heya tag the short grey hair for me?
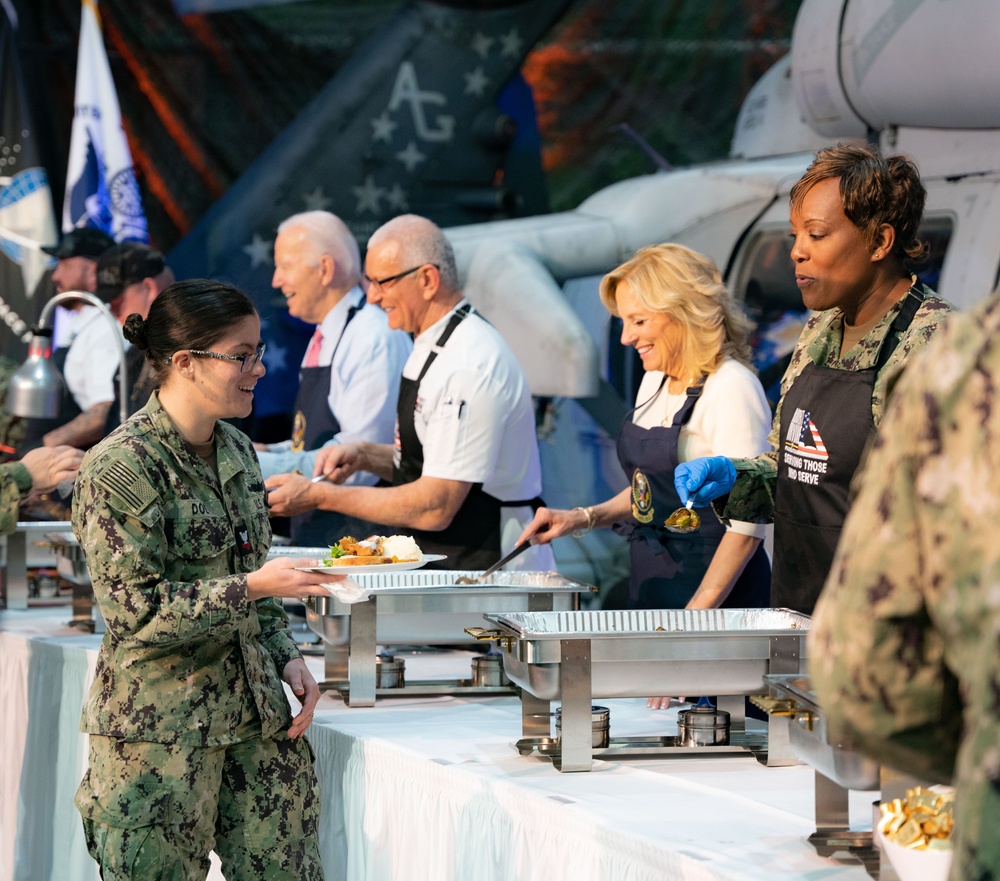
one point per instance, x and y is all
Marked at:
(325, 233)
(420, 241)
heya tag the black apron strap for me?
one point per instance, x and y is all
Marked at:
(456, 319)
(900, 324)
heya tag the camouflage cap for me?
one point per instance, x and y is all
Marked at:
(125, 264)
(82, 242)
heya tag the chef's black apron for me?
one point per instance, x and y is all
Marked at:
(314, 425)
(826, 423)
(668, 567)
(472, 541)
(36, 429)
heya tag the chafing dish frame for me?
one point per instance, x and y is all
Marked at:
(353, 631)
(834, 780)
(16, 558)
(564, 663)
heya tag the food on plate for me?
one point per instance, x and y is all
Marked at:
(373, 551)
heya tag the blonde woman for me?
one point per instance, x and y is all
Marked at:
(699, 394)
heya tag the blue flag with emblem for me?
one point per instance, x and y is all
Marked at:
(101, 188)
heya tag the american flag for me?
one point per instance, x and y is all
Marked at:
(811, 447)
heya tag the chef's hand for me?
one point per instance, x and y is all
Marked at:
(283, 577)
(663, 703)
(290, 494)
(704, 479)
(337, 462)
(304, 687)
(550, 523)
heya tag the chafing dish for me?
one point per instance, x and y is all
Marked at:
(579, 655)
(421, 607)
(72, 566)
(838, 769)
(22, 550)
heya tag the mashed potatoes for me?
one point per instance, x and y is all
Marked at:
(401, 547)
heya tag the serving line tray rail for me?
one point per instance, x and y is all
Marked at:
(576, 656)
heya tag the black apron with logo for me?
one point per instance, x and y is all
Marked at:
(472, 541)
(314, 425)
(36, 429)
(668, 567)
(826, 423)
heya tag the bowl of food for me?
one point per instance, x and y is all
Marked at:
(915, 833)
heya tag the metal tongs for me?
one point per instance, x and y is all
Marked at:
(503, 561)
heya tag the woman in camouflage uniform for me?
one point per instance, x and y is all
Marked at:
(192, 741)
(854, 219)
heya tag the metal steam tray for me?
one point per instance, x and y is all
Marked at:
(423, 607)
(576, 656)
(838, 769)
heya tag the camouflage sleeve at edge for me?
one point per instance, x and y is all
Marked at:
(15, 483)
(752, 497)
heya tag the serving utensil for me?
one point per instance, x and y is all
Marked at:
(683, 520)
(503, 561)
(317, 479)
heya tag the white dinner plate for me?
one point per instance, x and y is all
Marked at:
(374, 567)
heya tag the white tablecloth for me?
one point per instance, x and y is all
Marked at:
(432, 788)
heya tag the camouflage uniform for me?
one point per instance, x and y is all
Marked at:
(15, 484)
(11, 427)
(187, 713)
(752, 497)
(904, 647)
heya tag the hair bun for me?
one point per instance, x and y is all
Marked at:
(135, 331)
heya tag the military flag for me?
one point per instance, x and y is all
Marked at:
(101, 189)
(27, 218)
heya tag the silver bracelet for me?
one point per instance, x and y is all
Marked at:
(589, 514)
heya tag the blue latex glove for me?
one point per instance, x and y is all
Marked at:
(704, 479)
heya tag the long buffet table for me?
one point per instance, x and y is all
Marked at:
(431, 788)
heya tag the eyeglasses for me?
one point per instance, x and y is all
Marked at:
(246, 362)
(382, 282)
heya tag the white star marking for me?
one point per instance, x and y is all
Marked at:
(316, 200)
(411, 157)
(382, 128)
(259, 251)
(481, 44)
(396, 197)
(476, 82)
(276, 357)
(368, 195)
(510, 44)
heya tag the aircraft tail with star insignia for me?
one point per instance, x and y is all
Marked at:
(430, 116)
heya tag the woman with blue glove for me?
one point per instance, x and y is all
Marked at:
(854, 219)
(698, 396)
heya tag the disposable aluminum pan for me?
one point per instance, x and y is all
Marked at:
(427, 607)
(639, 653)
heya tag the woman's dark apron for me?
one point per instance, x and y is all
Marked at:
(472, 540)
(667, 567)
(314, 425)
(826, 423)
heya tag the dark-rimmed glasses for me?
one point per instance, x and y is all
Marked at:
(382, 282)
(246, 362)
